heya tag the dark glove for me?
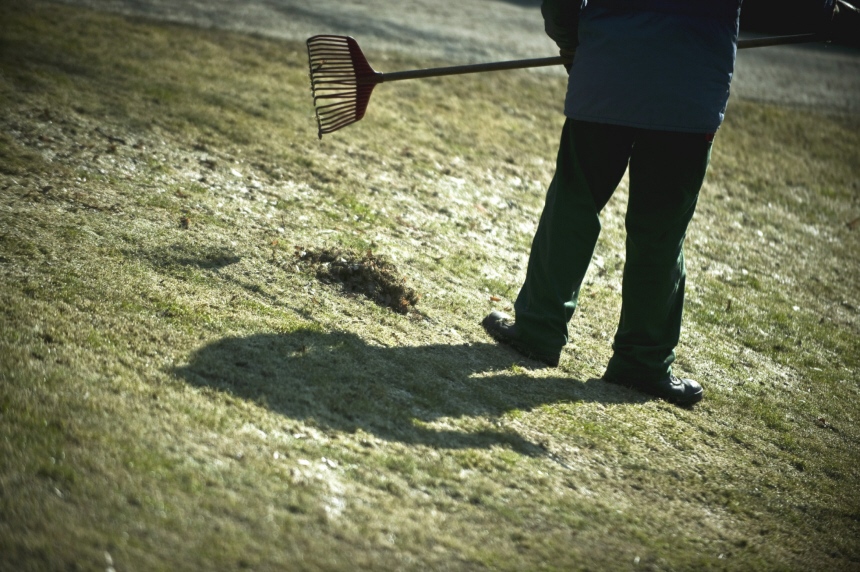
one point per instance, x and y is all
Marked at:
(568, 57)
(844, 28)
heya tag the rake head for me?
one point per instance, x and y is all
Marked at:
(341, 81)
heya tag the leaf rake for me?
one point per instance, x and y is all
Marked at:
(342, 79)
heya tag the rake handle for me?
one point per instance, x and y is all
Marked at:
(380, 77)
(781, 40)
(468, 68)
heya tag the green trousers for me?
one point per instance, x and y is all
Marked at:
(666, 172)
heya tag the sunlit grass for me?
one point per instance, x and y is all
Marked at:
(176, 391)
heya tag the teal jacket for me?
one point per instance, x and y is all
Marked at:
(655, 64)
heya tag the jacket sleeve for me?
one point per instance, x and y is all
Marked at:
(561, 20)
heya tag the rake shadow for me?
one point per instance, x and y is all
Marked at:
(188, 256)
(335, 380)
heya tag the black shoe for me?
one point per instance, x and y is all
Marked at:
(503, 329)
(673, 389)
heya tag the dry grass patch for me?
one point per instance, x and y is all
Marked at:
(372, 276)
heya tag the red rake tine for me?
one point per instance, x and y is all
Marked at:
(341, 81)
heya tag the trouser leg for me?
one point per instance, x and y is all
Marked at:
(666, 173)
(592, 159)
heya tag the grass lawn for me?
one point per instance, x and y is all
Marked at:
(188, 383)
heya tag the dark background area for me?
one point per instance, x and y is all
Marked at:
(779, 17)
(782, 16)
(765, 16)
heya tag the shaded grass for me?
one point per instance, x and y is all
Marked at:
(177, 393)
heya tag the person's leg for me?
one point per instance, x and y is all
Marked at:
(666, 173)
(592, 159)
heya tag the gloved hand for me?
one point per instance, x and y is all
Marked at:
(568, 56)
(844, 28)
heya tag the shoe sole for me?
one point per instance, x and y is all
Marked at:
(683, 401)
(488, 326)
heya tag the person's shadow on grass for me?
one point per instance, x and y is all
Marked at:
(336, 380)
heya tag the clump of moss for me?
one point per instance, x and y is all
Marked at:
(366, 273)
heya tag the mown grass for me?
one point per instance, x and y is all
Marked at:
(177, 393)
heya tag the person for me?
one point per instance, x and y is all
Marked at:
(648, 89)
